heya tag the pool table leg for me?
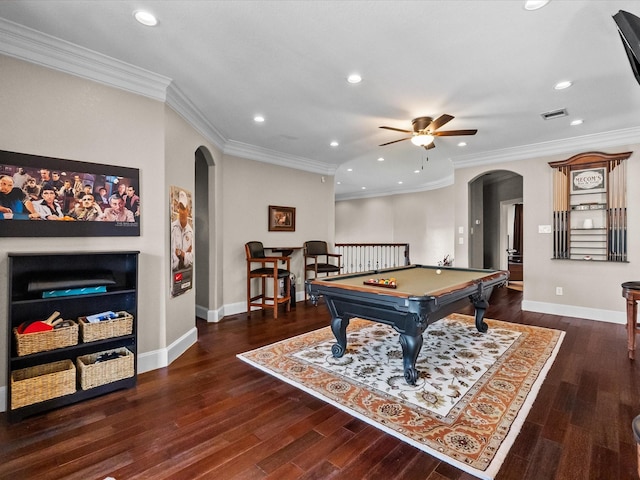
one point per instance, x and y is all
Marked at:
(339, 329)
(481, 305)
(480, 324)
(411, 346)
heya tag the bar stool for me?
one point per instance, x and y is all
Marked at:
(631, 291)
(322, 261)
(268, 270)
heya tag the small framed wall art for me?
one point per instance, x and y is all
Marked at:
(282, 219)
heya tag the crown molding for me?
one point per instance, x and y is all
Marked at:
(264, 155)
(41, 49)
(440, 183)
(598, 141)
(184, 107)
(45, 50)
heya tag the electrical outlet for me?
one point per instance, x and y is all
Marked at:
(559, 291)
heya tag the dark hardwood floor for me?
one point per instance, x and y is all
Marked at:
(209, 415)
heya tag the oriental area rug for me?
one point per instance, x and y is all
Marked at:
(469, 403)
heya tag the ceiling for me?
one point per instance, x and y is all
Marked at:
(491, 64)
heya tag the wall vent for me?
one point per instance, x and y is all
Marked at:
(562, 112)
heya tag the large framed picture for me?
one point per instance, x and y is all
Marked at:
(53, 197)
(282, 219)
(589, 180)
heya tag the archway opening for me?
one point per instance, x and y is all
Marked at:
(203, 232)
(493, 197)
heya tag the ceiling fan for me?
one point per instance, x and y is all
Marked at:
(424, 131)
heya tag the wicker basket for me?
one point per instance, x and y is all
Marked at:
(117, 327)
(28, 343)
(42, 382)
(95, 374)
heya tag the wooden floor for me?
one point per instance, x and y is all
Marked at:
(209, 415)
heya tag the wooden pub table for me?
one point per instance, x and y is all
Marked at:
(421, 295)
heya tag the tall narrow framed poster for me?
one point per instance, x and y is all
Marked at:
(182, 247)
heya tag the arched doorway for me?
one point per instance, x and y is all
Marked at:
(204, 234)
(492, 199)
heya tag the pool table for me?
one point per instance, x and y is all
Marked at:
(421, 295)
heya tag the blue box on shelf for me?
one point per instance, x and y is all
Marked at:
(74, 291)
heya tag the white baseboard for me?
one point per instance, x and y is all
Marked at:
(3, 399)
(212, 316)
(231, 309)
(163, 357)
(609, 316)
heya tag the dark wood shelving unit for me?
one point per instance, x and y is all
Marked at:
(25, 304)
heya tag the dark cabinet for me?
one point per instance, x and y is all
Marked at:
(76, 285)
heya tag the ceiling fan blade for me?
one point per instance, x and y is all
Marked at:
(395, 141)
(397, 129)
(453, 133)
(430, 146)
(440, 121)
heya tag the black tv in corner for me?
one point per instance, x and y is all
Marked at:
(629, 28)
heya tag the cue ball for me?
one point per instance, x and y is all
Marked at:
(438, 271)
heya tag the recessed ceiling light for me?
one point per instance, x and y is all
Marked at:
(578, 121)
(338, 183)
(349, 169)
(381, 159)
(354, 78)
(416, 171)
(334, 144)
(145, 18)
(534, 4)
(399, 182)
(363, 188)
(462, 144)
(258, 119)
(562, 85)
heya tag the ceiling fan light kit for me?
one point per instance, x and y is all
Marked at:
(422, 140)
(425, 129)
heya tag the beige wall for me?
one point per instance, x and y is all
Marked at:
(591, 289)
(424, 220)
(48, 113)
(249, 187)
(52, 114)
(429, 221)
(181, 143)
